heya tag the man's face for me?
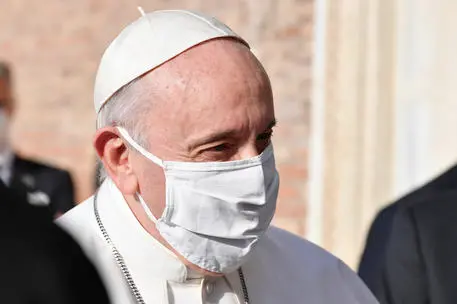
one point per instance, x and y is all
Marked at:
(212, 103)
(5, 96)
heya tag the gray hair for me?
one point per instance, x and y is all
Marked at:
(126, 108)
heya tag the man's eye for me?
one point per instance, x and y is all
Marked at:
(221, 152)
(220, 148)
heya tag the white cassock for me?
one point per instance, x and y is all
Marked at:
(283, 268)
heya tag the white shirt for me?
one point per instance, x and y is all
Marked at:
(6, 165)
(282, 269)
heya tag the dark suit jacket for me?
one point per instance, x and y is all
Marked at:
(372, 261)
(42, 185)
(39, 263)
(421, 257)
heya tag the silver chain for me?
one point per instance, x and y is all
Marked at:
(117, 256)
(125, 271)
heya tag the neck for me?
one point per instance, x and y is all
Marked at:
(4, 146)
(5, 152)
(151, 228)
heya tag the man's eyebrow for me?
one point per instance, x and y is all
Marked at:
(272, 124)
(214, 137)
(267, 132)
(226, 134)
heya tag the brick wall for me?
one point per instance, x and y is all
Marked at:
(55, 47)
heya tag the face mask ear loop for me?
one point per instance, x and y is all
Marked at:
(139, 148)
(146, 209)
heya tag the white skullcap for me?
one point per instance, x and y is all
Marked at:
(149, 42)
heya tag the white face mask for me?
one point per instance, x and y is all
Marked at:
(4, 130)
(215, 212)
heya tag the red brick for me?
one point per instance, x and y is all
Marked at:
(290, 209)
(293, 171)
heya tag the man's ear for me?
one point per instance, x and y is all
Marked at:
(114, 155)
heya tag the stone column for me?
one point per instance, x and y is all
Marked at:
(352, 122)
(427, 91)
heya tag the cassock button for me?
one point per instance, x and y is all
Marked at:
(209, 288)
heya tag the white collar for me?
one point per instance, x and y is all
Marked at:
(6, 165)
(142, 253)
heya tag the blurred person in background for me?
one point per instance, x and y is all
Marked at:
(41, 185)
(39, 262)
(421, 256)
(185, 118)
(405, 240)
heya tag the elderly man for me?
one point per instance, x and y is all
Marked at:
(185, 118)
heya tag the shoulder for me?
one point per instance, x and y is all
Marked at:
(429, 223)
(35, 166)
(314, 269)
(437, 211)
(31, 225)
(433, 197)
(18, 217)
(387, 212)
(446, 181)
(81, 224)
(298, 253)
(443, 201)
(293, 249)
(382, 223)
(79, 216)
(303, 248)
(30, 240)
